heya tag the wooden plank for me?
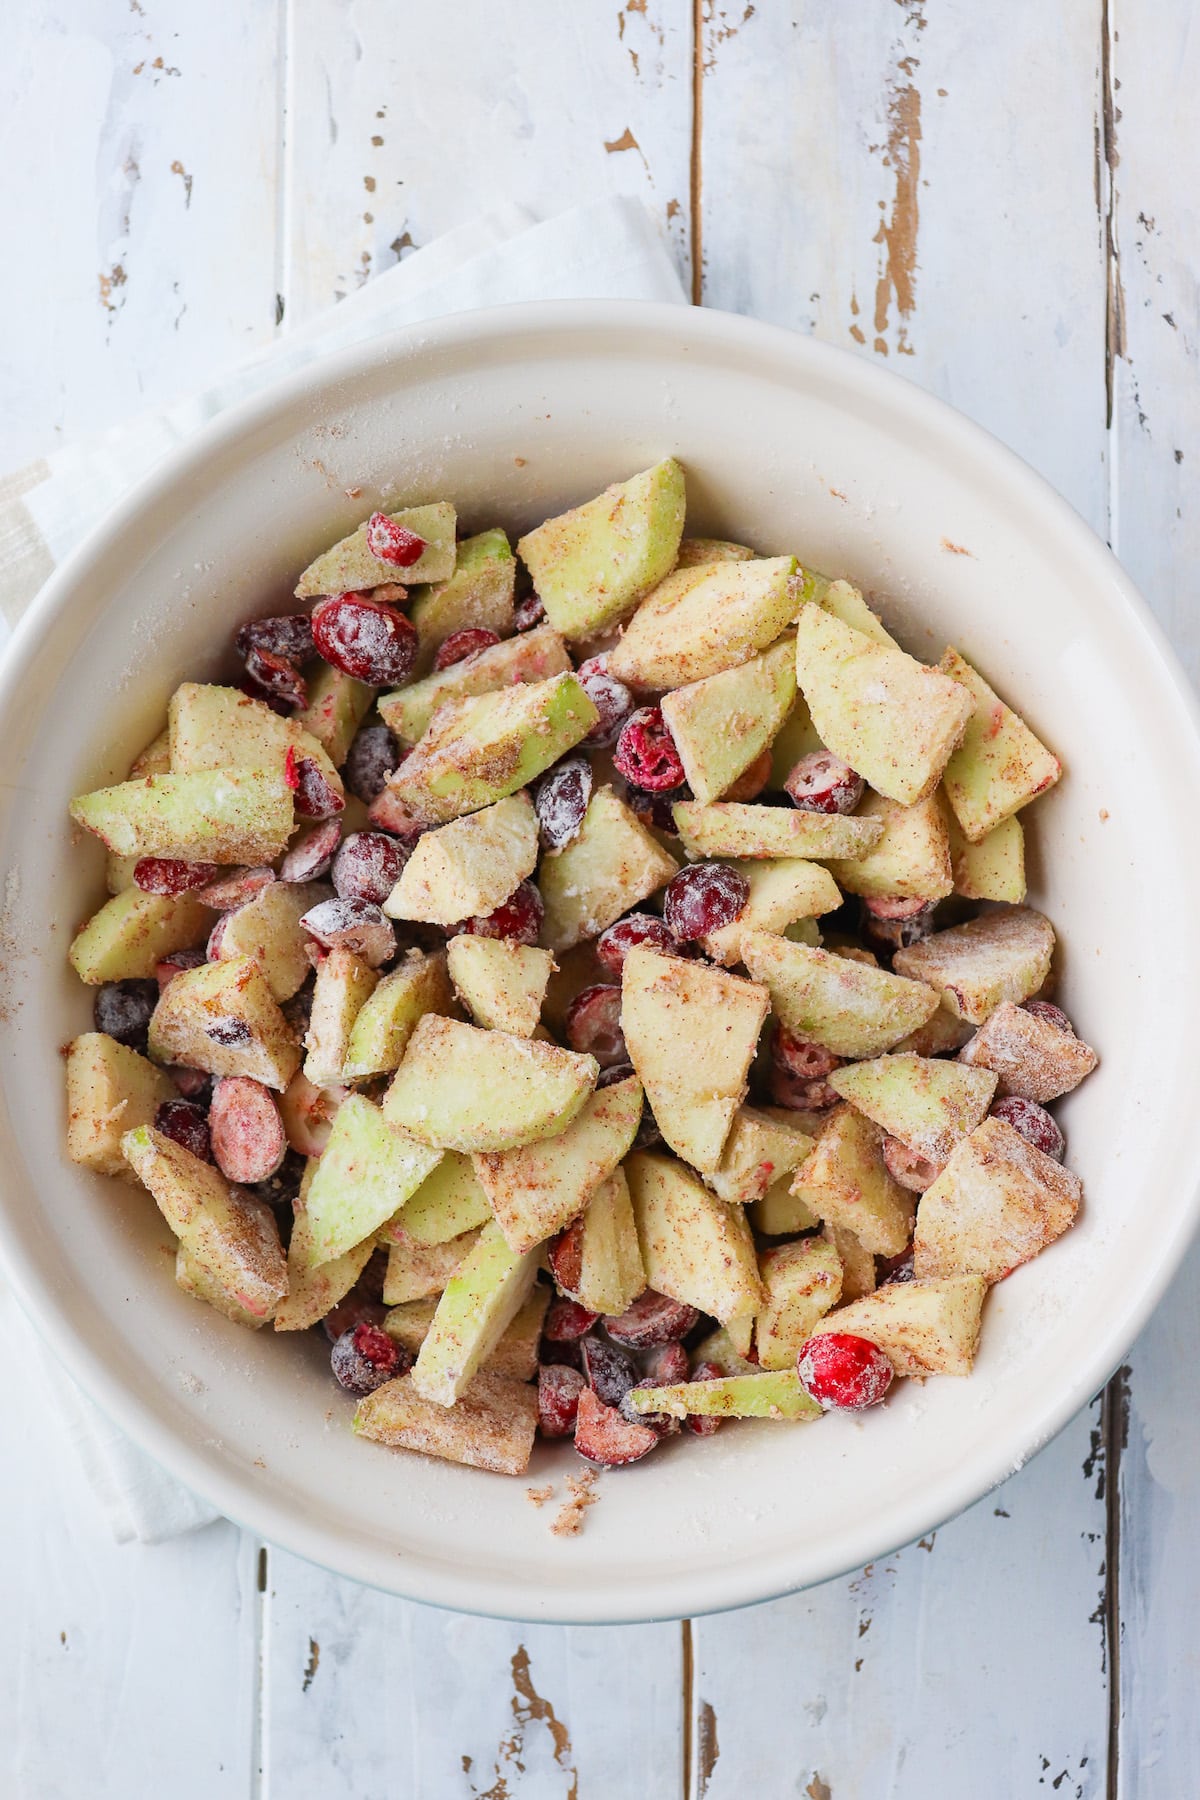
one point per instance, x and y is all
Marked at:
(149, 234)
(406, 122)
(119, 1662)
(380, 1697)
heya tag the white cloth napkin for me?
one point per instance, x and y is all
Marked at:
(609, 249)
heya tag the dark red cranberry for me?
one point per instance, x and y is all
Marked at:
(274, 679)
(593, 1025)
(842, 1371)
(1034, 1123)
(315, 798)
(615, 1073)
(648, 1134)
(566, 1354)
(248, 1141)
(529, 613)
(560, 800)
(235, 888)
(610, 697)
(519, 918)
(610, 1373)
(365, 1357)
(910, 922)
(702, 898)
(228, 1031)
(752, 780)
(187, 1124)
(123, 1009)
(461, 644)
(801, 1057)
(646, 755)
(365, 639)
(310, 856)
(392, 542)
(1050, 1014)
(356, 1309)
(652, 1319)
(822, 782)
(614, 945)
(193, 1084)
(905, 1166)
(166, 875)
(175, 964)
(289, 635)
(896, 1268)
(567, 1321)
(373, 756)
(654, 810)
(605, 1438)
(368, 866)
(559, 1388)
(358, 925)
(565, 1254)
(666, 1364)
(660, 1423)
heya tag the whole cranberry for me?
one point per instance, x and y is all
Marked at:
(822, 782)
(288, 635)
(367, 866)
(185, 1123)
(364, 1357)
(800, 1056)
(1034, 1123)
(558, 1389)
(656, 810)
(593, 1025)
(274, 679)
(610, 697)
(529, 613)
(560, 801)
(646, 755)
(614, 945)
(373, 756)
(461, 644)
(518, 918)
(123, 1009)
(703, 898)
(364, 638)
(1050, 1015)
(842, 1371)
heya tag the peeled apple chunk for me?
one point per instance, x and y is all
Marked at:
(492, 1425)
(846, 1006)
(761, 1147)
(974, 967)
(133, 931)
(891, 718)
(468, 867)
(110, 1090)
(1000, 765)
(922, 1327)
(997, 1203)
(803, 1280)
(349, 564)
(210, 727)
(781, 893)
(605, 1271)
(223, 1018)
(502, 983)
(478, 593)
(460, 1088)
(366, 1172)
(930, 1105)
(730, 828)
(702, 620)
(610, 864)
(992, 869)
(911, 859)
(694, 1248)
(844, 1182)
(722, 724)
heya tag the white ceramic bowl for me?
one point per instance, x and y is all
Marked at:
(789, 446)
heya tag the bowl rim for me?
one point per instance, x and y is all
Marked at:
(695, 331)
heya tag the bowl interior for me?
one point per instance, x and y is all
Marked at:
(789, 447)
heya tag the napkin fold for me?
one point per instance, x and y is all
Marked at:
(607, 249)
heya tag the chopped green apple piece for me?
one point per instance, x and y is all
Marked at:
(155, 759)
(388, 1017)
(118, 872)
(192, 1277)
(730, 828)
(468, 867)
(461, 1088)
(720, 725)
(537, 1190)
(780, 1212)
(337, 706)
(891, 718)
(314, 1288)
(479, 594)
(349, 564)
(941, 1033)
(344, 983)
(845, 1005)
(702, 620)
(929, 1104)
(844, 1182)
(516, 1354)
(694, 551)
(803, 1281)
(218, 815)
(774, 1395)
(1032, 1057)
(222, 728)
(366, 1172)
(268, 929)
(797, 737)
(448, 1202)
(911, 860)
(520, 661)
(846, 603)
(491, 1427)
(479, 1304)
(1000, 765)
(694, 1248)
(223, 1018)
(718, 1347)
(761, 1148)
(694, 1077)
(132, 933)
(604, 1271)
(415, 1271)
(502, 983)
(922, 1327)
(592, 564)
(480, 750)
(858, 1263)
(976, 966)
(998, 1202)
(609, 866)
(992, 869)
(110, 1090)
(781, 893)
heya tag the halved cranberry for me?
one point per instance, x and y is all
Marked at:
(822, 782)
(1051, 1014)
(801, 1057)
(234, 888)
(646, 753)
(610, 697)
(702, 898)
(187, 1124)
(365, 639)
(315, 797)
(274, 679)
(895, 924)
(372, 757)
(394, 543)
(655, 810)
(652, 1319)
(308, 1113)
(614, 945)
(248, 1141)
(593, 1025)
(842, 1371)
(167, 875)
(666, 1364)
(1034, 1123)
(797, 1094)
(519, 918)
(461, 644)
(123, 1009)
(752, 780)
(368, 866)
(559, 1388)
(311, 855)
(566, 1321)
(358, 925)
(170, 966)
(565, 1253)
(288, 635)
(604, 1437)
(528, 613)
(609, 1371)
(365, 1357)
(560, 801)
(704, 1424)
(356, 1309)
(913, 1172)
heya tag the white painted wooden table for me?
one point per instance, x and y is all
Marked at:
(1000, 201)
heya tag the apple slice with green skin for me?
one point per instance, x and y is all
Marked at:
(976, 966)
(1032, 1057)
(132, 932)
(694, 1247)
(343, 986)
(781, 893)
(761, 1148)
(601, 1266)
(694, 1076)
(722, 724)
(803, 1282)
(415, 1271)
(537, 1190)
(922, 1327)
(349, 564)
(223, 1018)
(534, 656)
(191, 1277)
(388, 1018)
(693, 551)
(268, 929)
(998, 1202)
(780, 1212)
(478, 594)
(992, 869)
(479, 1304)
(611, 865)
(218, 815)
(591, 565)
(847, 1006)
(492, 1426)
(468, 867)
(501, 982)
(703, 620)
(461, 1088)
(928, 1104)
(516, 1354)
(314, 1289)
(858, 1263)
(891, 718)
(480, 750)
(911, 860)
(776, 1394)
(729, 828)
(118, 872)
(844, 1182)
(448, 1202)
(212, 727)
(718, 1347)
(1000, 766)
(846, 603)
(337, 706)
(155, 759)
(366, 1172)
(110, 1090)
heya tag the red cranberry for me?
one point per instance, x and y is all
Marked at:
(843, 1371)
(610, 1373)
(801, 1057)
(213, 947)
(461, 644)
(604, 1437)
(567, 1321)
(652, 1319)
(365, 639)
(646, 753)
(529, 613)
(616, 1072)
(559, 1388)
(565, 1253)
(897, 1268)
(1034, 1123)
(667, 1365)
(655, 810)
(561, 800)
(123, 1009)
(822, 782)
(614, 945)
(166, 875)
(393, 543)
(310, 857)
(797, 1094)
(358, 925)
(519, 918)
(248, 1141)
(235, 887)
(274, 679)
(910, 923)
(913, 1172)
(315, 797)
(660, 1423)
(356, 1309)
(610, 697)
(593, 1025)
(193, 1084)
(751, 782)
(704, 1424)
(175, 964)
(368, 866)
(372, 757)
(702, 898)
(186, 1124)
(289, 635)
(1050, 1014)
(365, 1357)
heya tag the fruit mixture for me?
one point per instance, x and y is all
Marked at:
(593, 985)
